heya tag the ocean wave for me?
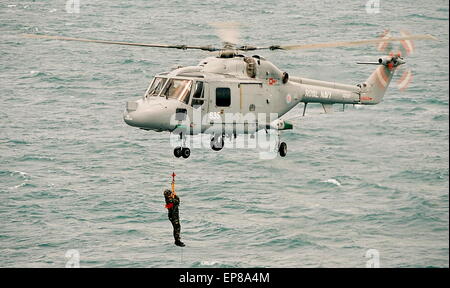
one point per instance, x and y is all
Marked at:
(213, 264)
(332, 181)
(426, 17)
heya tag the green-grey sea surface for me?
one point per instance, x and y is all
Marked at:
(73, 175)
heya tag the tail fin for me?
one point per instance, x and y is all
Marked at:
(373, 90)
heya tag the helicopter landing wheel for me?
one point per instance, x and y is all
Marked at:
(217, 142)
(185, 152)
(178, 152)
(282, 149)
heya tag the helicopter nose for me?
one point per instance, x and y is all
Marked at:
(129, 115)
(149, 116)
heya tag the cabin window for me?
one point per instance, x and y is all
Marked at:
(223, 97)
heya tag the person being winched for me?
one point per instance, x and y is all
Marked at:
(172, 203)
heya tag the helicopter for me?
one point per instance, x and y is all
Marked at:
(242, 94)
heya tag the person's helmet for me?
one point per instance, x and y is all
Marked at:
(167, 193)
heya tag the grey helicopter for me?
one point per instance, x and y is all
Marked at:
(251, 89)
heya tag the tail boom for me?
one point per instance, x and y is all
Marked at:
(370, 92)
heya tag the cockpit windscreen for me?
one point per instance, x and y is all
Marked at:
(156, 86)
(178, 89)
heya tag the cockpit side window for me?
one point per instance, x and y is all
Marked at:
(178, 89)
(156, 86)
(197, 97)
(198, 92)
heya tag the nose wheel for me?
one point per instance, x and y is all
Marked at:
(179, 151)
(182, 152)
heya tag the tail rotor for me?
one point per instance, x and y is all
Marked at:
(404, 49)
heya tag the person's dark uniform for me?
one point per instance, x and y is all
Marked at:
(172, 204)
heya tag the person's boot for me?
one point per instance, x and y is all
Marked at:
(179, 243)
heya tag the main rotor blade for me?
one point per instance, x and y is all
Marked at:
(183, 47)
(349, 43)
